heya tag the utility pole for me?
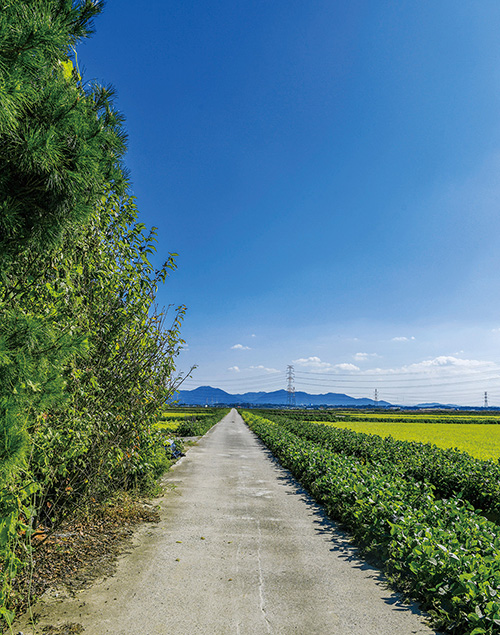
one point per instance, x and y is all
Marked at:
(290, 376)
(376, 396)
(485, 399)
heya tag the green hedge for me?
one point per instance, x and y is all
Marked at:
(442, 552)
(450, 472)
(198, 426)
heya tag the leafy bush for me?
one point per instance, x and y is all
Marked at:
(198, 426)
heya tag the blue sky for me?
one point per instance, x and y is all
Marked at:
(329, 174)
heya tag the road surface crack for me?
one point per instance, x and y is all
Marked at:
(261, 581)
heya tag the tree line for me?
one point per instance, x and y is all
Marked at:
(87, 358)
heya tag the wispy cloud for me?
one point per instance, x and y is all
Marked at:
(448, 361)
(436, 366)
(402, 339)
(346, 366)
(315, 363)
(234, 369)
(265, 369)
(439, 365)
(363, 357)
(240, 347)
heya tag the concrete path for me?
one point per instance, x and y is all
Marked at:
(242, 550)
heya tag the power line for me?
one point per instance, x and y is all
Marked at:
(275, 377)
(430, 383)
(396, 376)
(235, 385)
(396, 389)
(478, 375)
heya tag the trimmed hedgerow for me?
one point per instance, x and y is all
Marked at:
(440, 551)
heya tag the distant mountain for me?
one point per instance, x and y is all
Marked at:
(206, 395)
(435, 404)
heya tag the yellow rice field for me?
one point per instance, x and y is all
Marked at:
(171, 419)
(479, 440)
(182, 414)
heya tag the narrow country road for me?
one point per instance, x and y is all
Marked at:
(241, 549)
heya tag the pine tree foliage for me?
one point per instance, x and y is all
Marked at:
(60, 142)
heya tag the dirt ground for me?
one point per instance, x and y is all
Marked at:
(83, 549)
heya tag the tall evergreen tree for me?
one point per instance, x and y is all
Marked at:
(60, 148)
(61, 145)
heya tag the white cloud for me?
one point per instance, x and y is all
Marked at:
(362, 357)
(315, 363)
(240, 347)
(447, 361)
(346, 367)
(402, 339)
(253, 335)
(438, 365)
(234, 369)
(265, 369)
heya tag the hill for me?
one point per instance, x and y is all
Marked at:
(206, 395)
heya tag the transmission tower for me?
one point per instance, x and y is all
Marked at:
(376, 396)
(290, 376)
(485, 399)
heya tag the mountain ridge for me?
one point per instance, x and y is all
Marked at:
(207, 395)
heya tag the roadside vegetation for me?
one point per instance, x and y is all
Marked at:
(428, 516)
(448, 471)
(193, 423)
(87, 358)
(480, 440)
(83, 546)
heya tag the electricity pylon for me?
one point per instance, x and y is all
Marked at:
(290, 387)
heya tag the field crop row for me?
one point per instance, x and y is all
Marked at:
(481, 441)
(450, 473)
(191, 423)
(382, 416)
(456, 418)
(442, 552)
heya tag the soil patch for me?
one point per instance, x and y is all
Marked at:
(82, 549)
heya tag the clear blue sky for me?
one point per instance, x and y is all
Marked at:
(329, 174)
